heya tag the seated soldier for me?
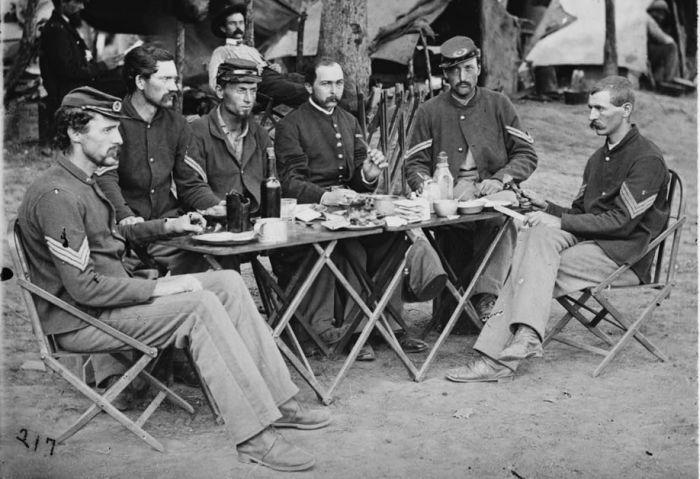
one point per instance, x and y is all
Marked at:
(619, 209)
(228, 146)
(229, 23)
(75, 249)
(321, 159)
(481, 133)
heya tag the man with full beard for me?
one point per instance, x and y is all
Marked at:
(75, 250)
(228, 148)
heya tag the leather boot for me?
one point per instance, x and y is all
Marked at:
(272, 450)
(482, 369)
(295, 416)
(526, 344)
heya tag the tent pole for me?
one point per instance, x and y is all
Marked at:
(249, 24)
(300, 41)
(180, 58)
(427, 63)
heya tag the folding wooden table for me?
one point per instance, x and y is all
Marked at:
(323, 242)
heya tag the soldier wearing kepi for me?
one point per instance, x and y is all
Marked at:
(75, 249)
(228, 147)
(484, 141)
(621, 207)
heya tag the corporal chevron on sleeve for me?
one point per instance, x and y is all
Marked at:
(634, 207)
(79, 259)
(520, 134)
(423, 145)
(192, 163)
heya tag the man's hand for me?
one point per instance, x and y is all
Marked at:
(373, 164)
(532, 200)
(191, 222)
(130, 220)
(275, 66)
(489, 187)
(541, 218)
(216, 210)
(176, 284)
(338, 196)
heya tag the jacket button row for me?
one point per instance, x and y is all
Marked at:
(337, 135)
(462, 117)
(153, 191)
(460, 149)
(151, 160)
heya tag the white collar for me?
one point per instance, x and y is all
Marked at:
(234, 41)
(613, 145)
(322, 110)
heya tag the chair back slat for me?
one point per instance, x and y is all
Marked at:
(19, 260)
(665, 261)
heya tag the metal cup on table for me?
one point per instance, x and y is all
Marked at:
(237, 213)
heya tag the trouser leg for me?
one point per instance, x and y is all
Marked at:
(318, 303)
(282, 89)
(222, 341)
(494, 275)
(527, 294)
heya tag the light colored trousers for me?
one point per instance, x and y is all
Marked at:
(547, 263)
(229, 341)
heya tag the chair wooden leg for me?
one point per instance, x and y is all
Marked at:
(102, 403)
(171, 395)
(211, 402)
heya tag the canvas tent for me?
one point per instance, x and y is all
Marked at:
(393, 37)
(581, 42)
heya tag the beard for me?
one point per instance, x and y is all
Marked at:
(330, 101)
(168, 100)
(111, 158)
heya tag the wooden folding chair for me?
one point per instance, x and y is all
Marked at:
(51, 352)
(663, 280)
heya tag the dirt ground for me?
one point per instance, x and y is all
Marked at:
(639, 419)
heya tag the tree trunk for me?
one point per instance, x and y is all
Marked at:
(610, 48)
(343, 37)
(27, 48)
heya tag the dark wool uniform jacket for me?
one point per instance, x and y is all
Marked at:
(211, 158)
(62, 60)
(316, 151)
(488, 125)
(152, 158)
(622, 202)
(75, 248)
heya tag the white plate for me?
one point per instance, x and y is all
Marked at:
(225, 238)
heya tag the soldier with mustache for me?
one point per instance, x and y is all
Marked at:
(154, 152)
(321, 158)
(481, 133)
(228, 22)
(619, 209)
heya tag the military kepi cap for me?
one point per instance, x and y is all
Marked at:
(91, 99)
(456, 50)
(238, 71)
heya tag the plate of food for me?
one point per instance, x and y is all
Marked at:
(225, 238)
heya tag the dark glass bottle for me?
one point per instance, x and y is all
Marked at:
(270, 190)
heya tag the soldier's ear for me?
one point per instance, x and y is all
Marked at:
(309, 88)
(140, 82)
(74, 135)
(627, 110)
(219, 92)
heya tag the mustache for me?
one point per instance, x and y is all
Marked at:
(594, 124)
(330, 99)
(114, 152)
(464, 83)
(238, 31)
